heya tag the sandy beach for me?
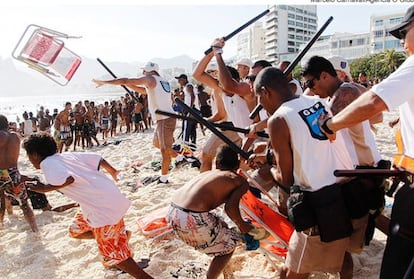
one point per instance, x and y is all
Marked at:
(53, 254)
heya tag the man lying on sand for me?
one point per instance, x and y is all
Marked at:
(77, 176)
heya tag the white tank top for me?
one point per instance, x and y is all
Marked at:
(28, 127)
(187, 94)
(314, 157)
(237, 111)
(159, 97)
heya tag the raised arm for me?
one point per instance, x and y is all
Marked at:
(226, 80)
(201, 76)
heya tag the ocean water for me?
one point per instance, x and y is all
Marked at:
(13, 107)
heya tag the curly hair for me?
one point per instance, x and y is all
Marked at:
(41, 144)
(227, 158)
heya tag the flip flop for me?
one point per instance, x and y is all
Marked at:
(149, 179)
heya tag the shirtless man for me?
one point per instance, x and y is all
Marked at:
(190, 213)
(90, 115)
(65, 132)
(78, 126)
(11, 184)
(105, 120)
(138, 110)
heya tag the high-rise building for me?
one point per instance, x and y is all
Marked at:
(250, 44)
(381, 39)
(287, 27)
(348, 45)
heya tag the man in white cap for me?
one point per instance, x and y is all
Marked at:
(393, 92)
(243, 67)
(159, 97)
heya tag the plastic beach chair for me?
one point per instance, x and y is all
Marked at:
(43, 50)
(265, 216)
(280, 229)
(155, 224)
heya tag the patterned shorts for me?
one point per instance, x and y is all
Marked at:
(112, 239)
(10, 183)
(204, 231)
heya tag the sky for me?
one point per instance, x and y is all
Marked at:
(129, 31)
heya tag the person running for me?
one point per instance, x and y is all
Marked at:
(158, 91)
(103, 206)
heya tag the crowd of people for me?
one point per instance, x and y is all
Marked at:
(316, 128)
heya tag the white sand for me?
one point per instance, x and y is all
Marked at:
(53, 254)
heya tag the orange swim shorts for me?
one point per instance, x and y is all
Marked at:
(112, 239)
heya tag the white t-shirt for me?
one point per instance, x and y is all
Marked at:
(99, 198)
(187, 95)
(397, 91)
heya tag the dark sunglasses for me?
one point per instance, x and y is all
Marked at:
(252, 78)
(310, 83)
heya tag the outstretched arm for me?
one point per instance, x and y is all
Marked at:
(363, 108)
(39, 187)
(136, 84)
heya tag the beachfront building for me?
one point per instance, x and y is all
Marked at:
(380, 37)
(352, 46)
(250, 44)
(348, 45)
(287, 27)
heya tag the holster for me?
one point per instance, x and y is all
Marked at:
(331, 213)
(300, 213)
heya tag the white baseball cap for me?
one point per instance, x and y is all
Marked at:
(340, 63)
(245, 61)
(151, 66)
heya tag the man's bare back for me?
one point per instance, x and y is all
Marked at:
(9, 149)
(209, 190)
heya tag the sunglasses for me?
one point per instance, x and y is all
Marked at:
(252, 78)
(310, 83)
